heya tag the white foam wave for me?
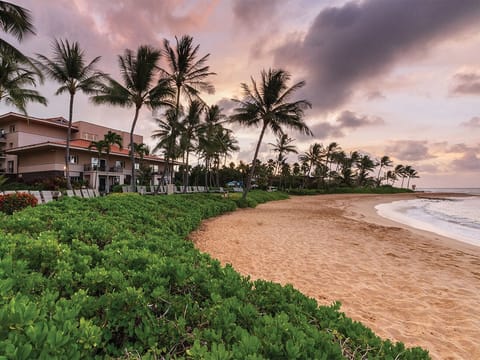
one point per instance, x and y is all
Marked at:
(457, 218)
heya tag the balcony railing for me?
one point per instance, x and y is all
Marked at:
(89, 167)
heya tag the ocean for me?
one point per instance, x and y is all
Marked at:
(457, 218)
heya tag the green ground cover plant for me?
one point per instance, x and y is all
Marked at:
(114, 277)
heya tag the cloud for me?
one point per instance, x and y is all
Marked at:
(466, 83)
(227, 105)
(347, 46)
(409, 150)
(322, 131)
(473, 122)
(374, 95)
(252, 13)
(348, 119)
(470, 161)
(344, 121)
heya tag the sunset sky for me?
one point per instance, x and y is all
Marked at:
(397, 78)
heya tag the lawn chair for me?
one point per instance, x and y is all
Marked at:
(47, 196)
(37, 196)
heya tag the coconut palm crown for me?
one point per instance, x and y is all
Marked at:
(268, 105)
(16, 21)
(14, 77)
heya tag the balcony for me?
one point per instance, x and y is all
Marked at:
(99, 168)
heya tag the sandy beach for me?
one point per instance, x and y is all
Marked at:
(407, 285)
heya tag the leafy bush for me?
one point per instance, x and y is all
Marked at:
(109, 276)
(17, 201)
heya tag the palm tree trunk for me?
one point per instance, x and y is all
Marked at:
(132, 153)
(206, 171)
(185, 174)
(254, 162)
(69, 136)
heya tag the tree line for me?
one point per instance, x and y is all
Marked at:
(186, 125)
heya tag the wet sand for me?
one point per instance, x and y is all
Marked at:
(405, 284)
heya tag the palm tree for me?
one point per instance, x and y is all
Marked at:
(283, 147)
(100, 146)
(310, 159)
(139, 71)
(13, 79)
(190, 128)
(268, 107)
(110, 138)
(16, 21)
(185, 73)
(400, 172)
(68, 67)
(384, 162)
(141, 149)
(410, 172)
(167, 134)
(365, 164)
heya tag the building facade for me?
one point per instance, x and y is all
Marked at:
(33, 149)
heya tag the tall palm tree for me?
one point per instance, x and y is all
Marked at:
(69, 68)
(282, 147)
(269, 107)
(139, 74)
(167, 134)
(410, 173)
(188, 137)
(400, 172)
(187, 75)
(384, 162)
(13, 79)
(16, 21)
(312, 157)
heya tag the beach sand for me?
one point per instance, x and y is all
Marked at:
(406, 285)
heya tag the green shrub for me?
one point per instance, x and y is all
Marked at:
(110, 276)
(17, 201)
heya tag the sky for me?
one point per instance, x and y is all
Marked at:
(396, 78)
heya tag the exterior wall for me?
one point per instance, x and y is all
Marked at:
(93, 132)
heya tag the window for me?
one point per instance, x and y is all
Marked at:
(12, 128)
(120, 164)
(73, 159)
(137, 166)
(10, 166)
(89, 136)
(10, 145)
(94, 161)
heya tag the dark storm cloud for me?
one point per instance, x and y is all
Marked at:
(467, 84)
(473, 122)
(409, 150)
(360, 41)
